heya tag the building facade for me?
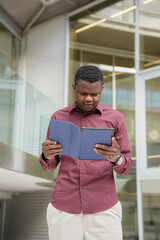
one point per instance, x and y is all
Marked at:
(37, 70)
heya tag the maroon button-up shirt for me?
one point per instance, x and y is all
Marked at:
(88, 186)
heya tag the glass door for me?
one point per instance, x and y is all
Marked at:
(148, 152)
(149, 124)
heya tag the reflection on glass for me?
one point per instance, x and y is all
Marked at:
(22, 122)
(125, 101)
(35, 120)
(18, 99)
(149, 33)
(153, 122)
(130, 230)
(9, 52)
(151, 209)
(106, 97)
(6, 112)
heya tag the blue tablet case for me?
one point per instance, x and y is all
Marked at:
(79, 144)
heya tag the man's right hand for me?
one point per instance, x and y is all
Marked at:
(51, 149)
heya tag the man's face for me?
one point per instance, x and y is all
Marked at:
(87, 94)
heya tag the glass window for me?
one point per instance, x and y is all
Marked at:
(153, 122)
(107, 95)
(125, 102)
(9, 55)
(149, 33)
(22, 123)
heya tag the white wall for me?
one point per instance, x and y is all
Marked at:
(45, 58)
(43, 68)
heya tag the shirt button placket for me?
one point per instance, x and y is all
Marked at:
(82, 187)
(82, 172)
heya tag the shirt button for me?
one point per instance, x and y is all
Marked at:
(82, 172)
(82, 187)
(80, 201)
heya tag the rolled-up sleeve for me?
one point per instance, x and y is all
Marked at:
(49, 165)
(125, 168)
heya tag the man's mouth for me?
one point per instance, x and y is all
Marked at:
(88, 105)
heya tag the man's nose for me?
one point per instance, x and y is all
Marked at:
(88, 98)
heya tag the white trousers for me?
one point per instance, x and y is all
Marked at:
(104, 225)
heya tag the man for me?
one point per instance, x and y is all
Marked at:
(84, 205)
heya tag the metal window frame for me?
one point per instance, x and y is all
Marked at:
(67, 48)
(139, 140)
(10, 25)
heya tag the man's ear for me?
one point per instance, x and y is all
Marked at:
(74, 87)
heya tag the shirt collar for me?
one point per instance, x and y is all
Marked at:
(97, 109)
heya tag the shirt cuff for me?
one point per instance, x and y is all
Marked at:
(43, 157)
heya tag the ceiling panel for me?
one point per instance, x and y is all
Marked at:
(21, 12)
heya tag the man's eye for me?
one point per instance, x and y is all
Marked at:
(93, 95)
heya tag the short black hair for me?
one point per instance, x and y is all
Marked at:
(89, 73)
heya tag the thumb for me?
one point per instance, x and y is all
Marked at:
(114, 142)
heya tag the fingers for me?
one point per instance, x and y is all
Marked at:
(105, 153)
(50, 155)
(48, 143)
(50, 146)
(114, 142)
(51, 149)
(114, 146)
(112, 153)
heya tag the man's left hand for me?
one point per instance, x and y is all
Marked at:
(112, 153)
